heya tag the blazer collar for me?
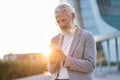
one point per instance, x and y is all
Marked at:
(76, 38)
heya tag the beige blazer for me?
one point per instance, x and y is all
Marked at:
(80, 62)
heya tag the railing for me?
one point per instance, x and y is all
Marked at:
(107, 37)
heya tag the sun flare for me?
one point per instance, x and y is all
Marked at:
(26, 28)
(46, 51)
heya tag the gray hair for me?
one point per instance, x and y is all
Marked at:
(64, 7)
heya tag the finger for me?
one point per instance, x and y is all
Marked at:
(54, 56)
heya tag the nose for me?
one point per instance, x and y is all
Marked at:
(61, 24)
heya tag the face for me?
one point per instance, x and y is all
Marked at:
(64, 20)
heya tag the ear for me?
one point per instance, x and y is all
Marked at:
(73, 16)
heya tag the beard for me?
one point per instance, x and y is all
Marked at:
(64, 28)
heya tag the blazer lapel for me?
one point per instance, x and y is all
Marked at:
(75, 40)
(60, 42)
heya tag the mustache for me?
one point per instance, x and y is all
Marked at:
(63, 26)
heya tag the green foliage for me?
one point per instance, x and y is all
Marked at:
(11, 70)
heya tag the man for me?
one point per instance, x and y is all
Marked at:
(73, 50)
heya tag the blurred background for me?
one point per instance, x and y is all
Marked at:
(26, 27)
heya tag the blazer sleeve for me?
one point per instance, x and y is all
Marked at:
(53, 67)
(87, 63)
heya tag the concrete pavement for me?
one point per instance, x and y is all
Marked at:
(112, 76)
(106, 76)
(99, 74)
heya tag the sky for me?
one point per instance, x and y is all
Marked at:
(26, 26)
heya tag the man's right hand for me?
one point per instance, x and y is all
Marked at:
(53, 55)
(57, 55)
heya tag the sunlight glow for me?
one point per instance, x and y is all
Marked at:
(46, 51)
(26, 25)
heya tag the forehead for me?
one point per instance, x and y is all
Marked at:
(61, 14)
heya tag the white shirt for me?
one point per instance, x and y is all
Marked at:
(67, 41)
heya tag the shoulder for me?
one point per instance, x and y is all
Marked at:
(86, 33)
(55, 39)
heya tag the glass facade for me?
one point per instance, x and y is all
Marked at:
(110, 12)
(88, 18)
